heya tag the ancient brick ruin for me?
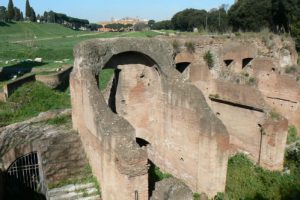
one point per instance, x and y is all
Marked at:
(169, 107)
(186, 116)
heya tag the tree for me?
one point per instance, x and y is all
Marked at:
(189, 19)
(140, 26)
(21, 16)
(166, 25)
(250, 15)
(151, 23)
(27, 9)
(17, 16)
(10, 10)
(3, 14)
(32, 15)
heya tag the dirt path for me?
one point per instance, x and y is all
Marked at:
(54, 38)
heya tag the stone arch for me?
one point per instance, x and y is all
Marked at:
(128, 67)
(181, 125)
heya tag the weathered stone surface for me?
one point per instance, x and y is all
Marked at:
(171, 189)
(242, 94)
(56, 80)
(59, 147)
(151, 101)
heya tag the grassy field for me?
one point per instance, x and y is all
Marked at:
(29, 100)
(51, 42)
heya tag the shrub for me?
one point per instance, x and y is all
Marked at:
(274, 115)
(190, 46)
(292, 135)
(196, 196)
(251, 81)
(209, 59)
(290, 70)
(247, 181)
(176, 46)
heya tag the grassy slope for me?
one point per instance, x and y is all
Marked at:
(26, 31)
(29, 100)
(59, 47)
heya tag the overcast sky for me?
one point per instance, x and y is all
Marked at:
(102, 10)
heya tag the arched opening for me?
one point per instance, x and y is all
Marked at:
(181, 67)
(246, 61)
(141, 142)
(133, 93)
(23, 179)
(127, 77)
(228, 62)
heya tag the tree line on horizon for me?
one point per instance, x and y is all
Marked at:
(12, 13)
(279, 16)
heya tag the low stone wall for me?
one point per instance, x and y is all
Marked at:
(10, 87)
(56, 80)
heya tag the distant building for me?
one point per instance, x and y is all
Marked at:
(124, 21)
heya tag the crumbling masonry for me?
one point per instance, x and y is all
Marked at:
(187, 117)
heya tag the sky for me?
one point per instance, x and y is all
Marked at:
(105, 10)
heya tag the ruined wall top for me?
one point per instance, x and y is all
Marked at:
(94, 54)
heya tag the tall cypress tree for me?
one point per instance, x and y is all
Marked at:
(27, 9)
(10, 10)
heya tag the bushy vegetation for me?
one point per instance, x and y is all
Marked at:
(274, 115)
(155, 175)
(247, 181)
(290, 70)
(209, 59)
(292, 135)
(190, 46)
(29, 100)
(176, 46)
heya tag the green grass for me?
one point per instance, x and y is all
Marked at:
(26, 31)
(59, 120)
(49, 41)
(247, 181)
(29, 100)
(86, 176)
(105, 77)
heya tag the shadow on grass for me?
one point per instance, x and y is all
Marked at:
(18, 69)
(3, 24)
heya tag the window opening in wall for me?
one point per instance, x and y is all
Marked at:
(246, 61)
(181, 67)
(228, 62)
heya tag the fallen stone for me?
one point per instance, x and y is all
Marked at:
(39, 60)
(172, 189)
